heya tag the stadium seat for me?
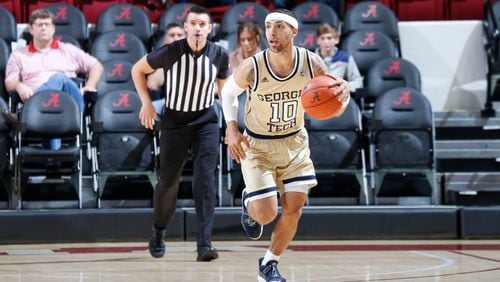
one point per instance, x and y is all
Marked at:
(420, 10)
(5, 153)
(93, 8)
(337, 150)
(306, 38)
(367, 47)
(465, 10)
(118, 45)
(390, 73)
(371, 15)
(175, 14)
(13, 6)
(70, 23)
(5, 140)
(68, 38)
(232, 42)
(125, 17)
(491, 31)
(49, 114)
(311, 14)
(4, 56)
(243, 12)
(8, 32)
(116, 75)
(235, 183)
(154, 9)
(121, 146)
(402, 146)
(31, 5)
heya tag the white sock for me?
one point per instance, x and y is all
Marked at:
(269, 256)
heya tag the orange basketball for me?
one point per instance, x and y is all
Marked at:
(319, 99)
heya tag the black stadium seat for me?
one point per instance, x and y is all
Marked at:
(402, 146)
(311, 14)
(8, 32)
(116, 75)
(118, 45)
(372, 15)
(390, 73)
(121, 146)
(243, 12)
(49, 114)
(125, 17)
(70, 21)
(367, 47)
(336, 146)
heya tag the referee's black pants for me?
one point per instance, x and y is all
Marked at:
(203, 139)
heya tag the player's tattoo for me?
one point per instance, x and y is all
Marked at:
(251, 77)
(319, 66)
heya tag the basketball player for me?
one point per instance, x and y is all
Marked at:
(274, 150)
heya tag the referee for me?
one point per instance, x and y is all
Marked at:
(192, 66)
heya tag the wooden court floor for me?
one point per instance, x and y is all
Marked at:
(346, 261)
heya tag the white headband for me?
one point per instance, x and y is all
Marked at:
(282, 17)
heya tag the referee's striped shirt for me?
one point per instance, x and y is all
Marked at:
(190, 77)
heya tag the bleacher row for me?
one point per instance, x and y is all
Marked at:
(367, 142)
(404, 9)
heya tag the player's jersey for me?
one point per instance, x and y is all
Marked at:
(273, 108)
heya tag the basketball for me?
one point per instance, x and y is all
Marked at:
(319, 98)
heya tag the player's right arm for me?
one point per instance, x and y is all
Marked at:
(240, 80)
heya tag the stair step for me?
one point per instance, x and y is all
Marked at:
(465, 119)
(466, 149)
(471, 183)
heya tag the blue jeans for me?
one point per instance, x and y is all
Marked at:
(61, 82)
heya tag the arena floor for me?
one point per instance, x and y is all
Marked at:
(347, 261)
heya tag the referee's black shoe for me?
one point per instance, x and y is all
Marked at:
(207, 254)
(156, 245)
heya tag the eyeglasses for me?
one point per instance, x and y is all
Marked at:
(39, 25)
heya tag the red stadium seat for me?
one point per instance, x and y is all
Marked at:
(30, 5)
(14, 6)
(465, 10)
(93, 8)
(420, 10)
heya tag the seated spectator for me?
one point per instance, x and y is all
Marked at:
(249, 38)
(173, 32)
(339, 62)
(46, 63)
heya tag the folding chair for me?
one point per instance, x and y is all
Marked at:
(243, 12)
(387, 74)
(8, 32)
(336, 146)
(491, 31)
(121, 146)
(116, 75)
(93, 8)
(70, 21)
(125, 17)
(49, 114)
(367, 47)
(118, 45)
(5, 157)
(311, 14)
(372, 15)
(4, 56)
(402, 145)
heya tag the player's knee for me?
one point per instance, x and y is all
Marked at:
(292, 212)
(266, 216)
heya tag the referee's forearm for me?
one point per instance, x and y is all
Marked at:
(140, 83)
